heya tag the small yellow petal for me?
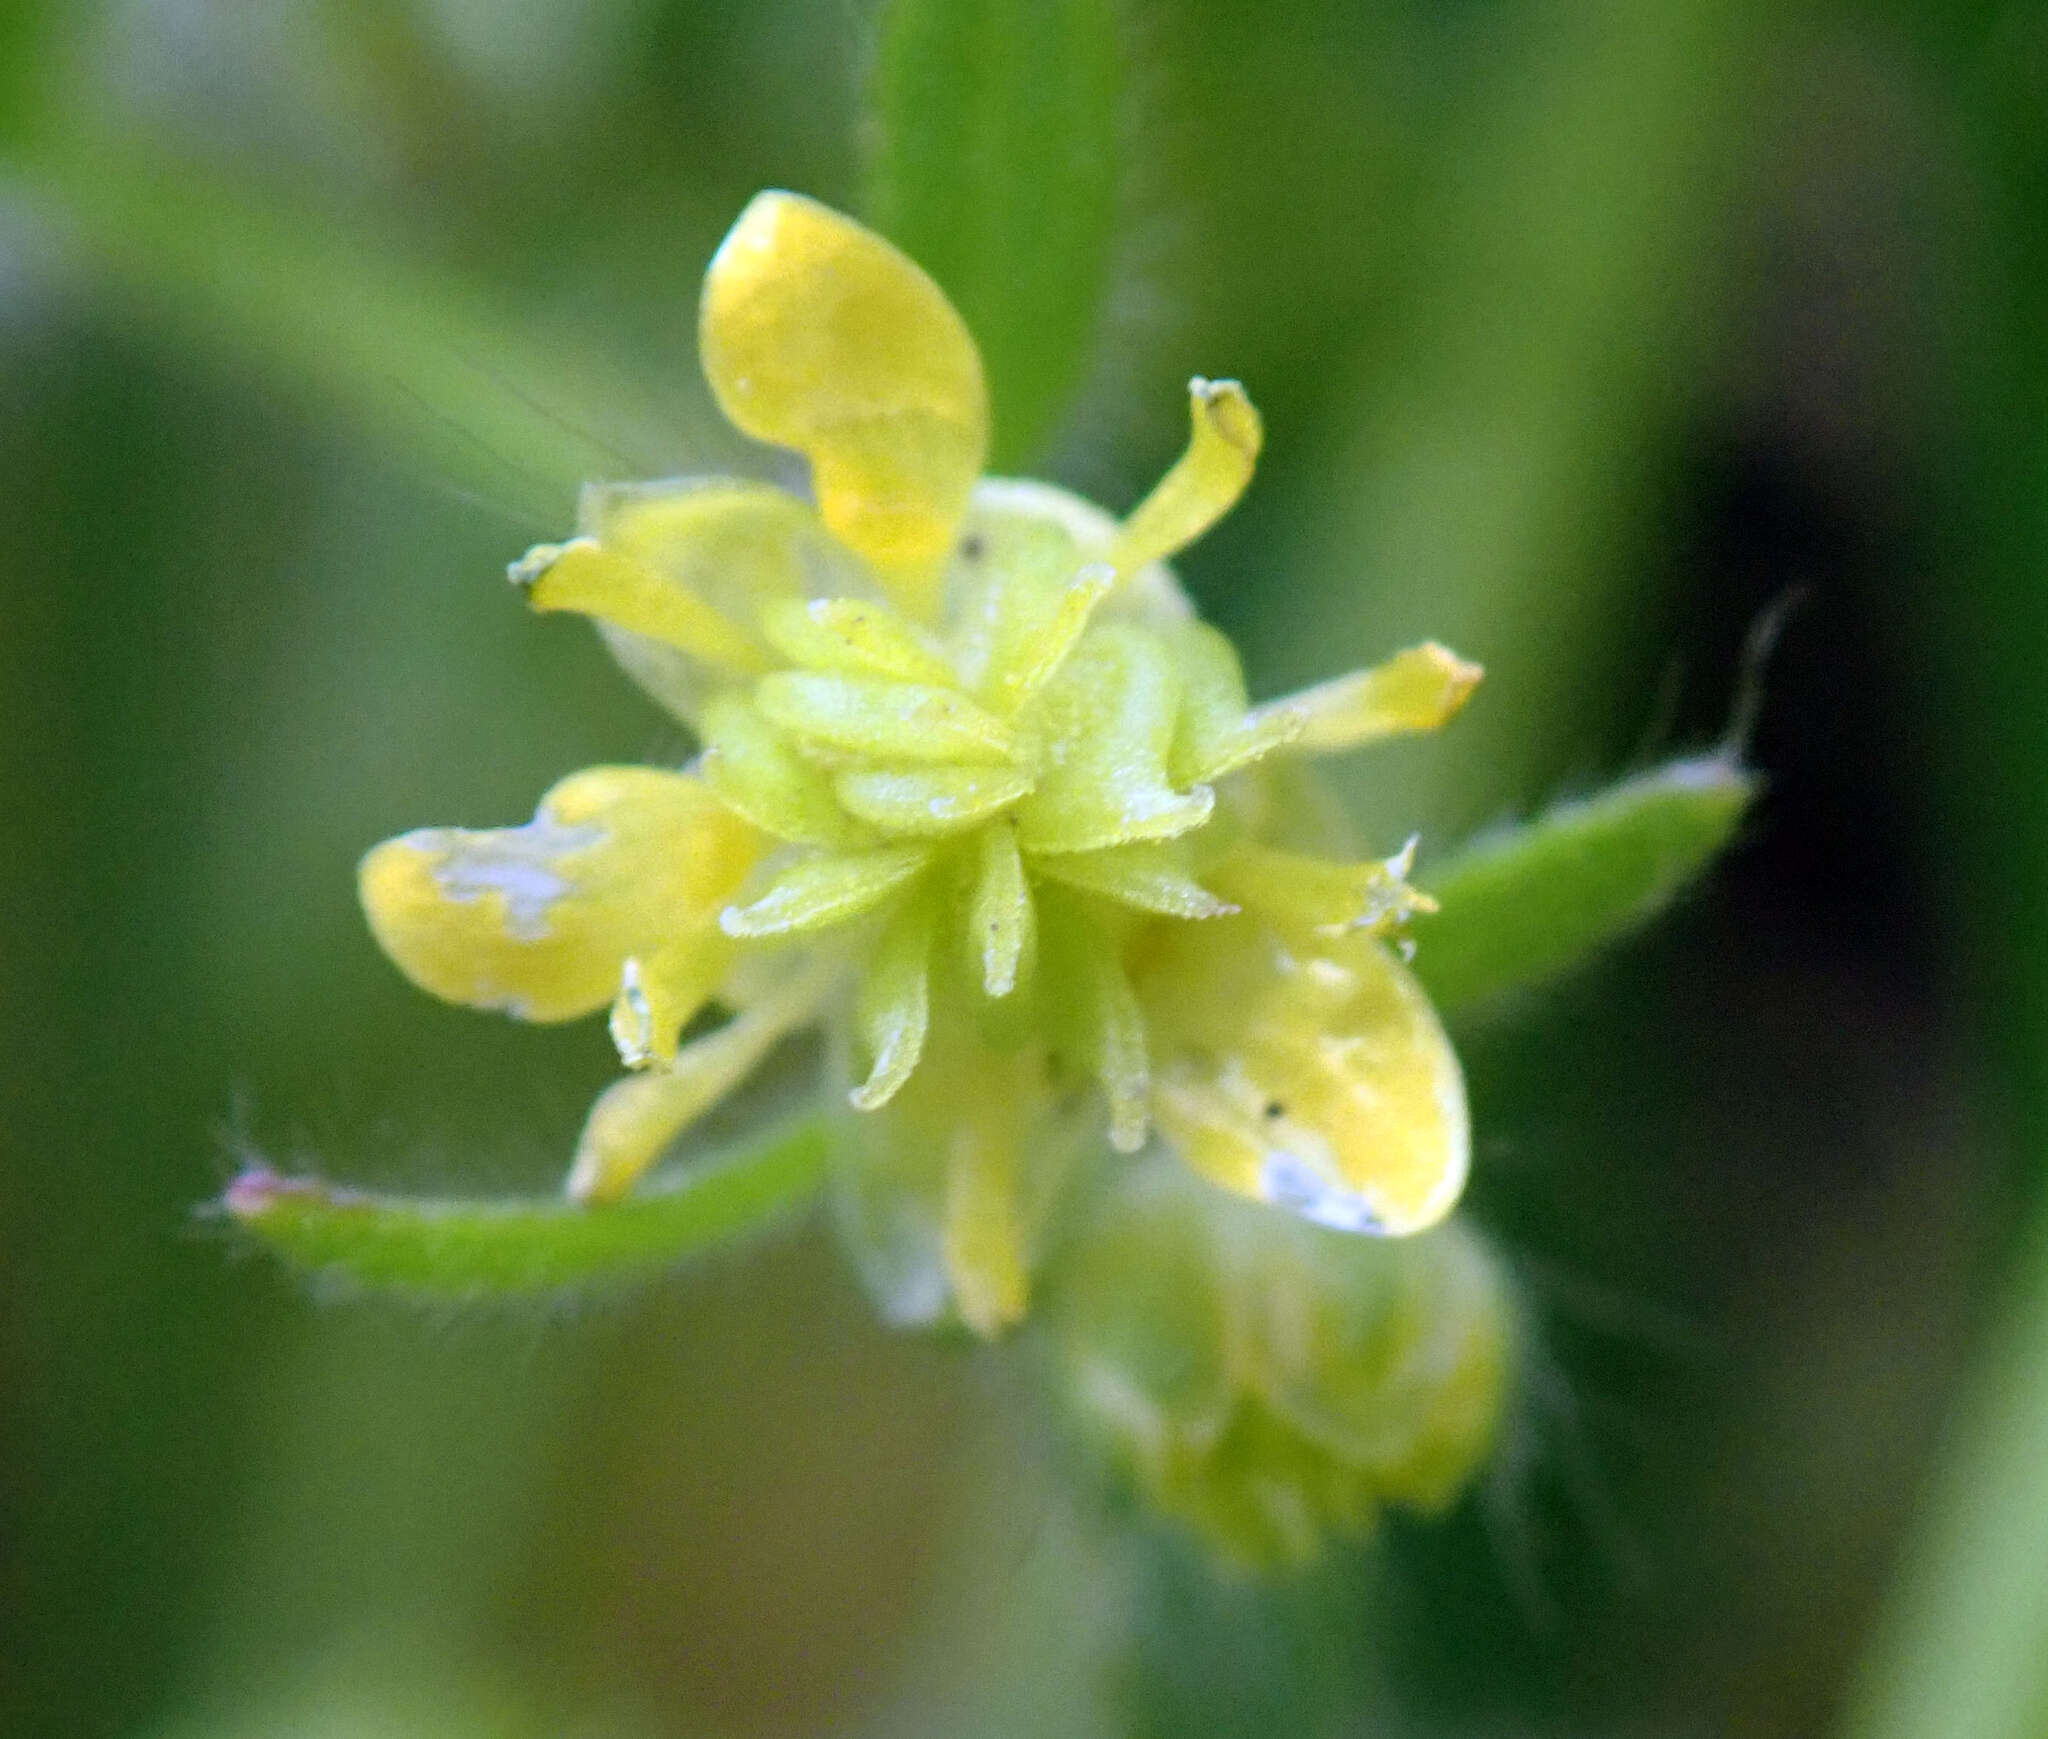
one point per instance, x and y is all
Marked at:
(1416, 690)
(659, 994)
(943, 1193)
(735, 542)
(1043, 630)
(984, 1233)
(817, 334)
(853, 636)
(1023, 594)
(635, 1120)
(1205, 481)
(1321, 1083)
(591, 580)
(538, 920)
(893, 1010)
(1122, 1063)
(1325, 896)
(1101, 1025)
(1001, 919)
(729, 546)
(1005, 530)
(817, 892)
(893, 721)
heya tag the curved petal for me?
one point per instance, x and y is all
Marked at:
(1002, 923)
(1205, 481)
(1420, 689)
(676, 576)
(1007, 522)
(1022, 594)
(893, 1010)
(817, 334)
(855, 637)
(1099, 1024)
(635, 1120)
(584, 576)
(660, 993)
(1320, 895)
(929, 801)
(1317, 1082)
(736, 544)
(757, 770)
(824, 889)
(538, 920)
(1153, 876)
(891, 721)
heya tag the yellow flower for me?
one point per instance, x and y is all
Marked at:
(977, 791)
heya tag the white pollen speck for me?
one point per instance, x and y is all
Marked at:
(519, 862)
(1288, 1181)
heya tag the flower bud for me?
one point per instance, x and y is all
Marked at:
(1271, 1384)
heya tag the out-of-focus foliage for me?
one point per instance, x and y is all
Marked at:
(1267, 1383)
(998, 141)
(1582, 334)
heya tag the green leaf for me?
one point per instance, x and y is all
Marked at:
(455, 1249)
(1528, 902)
(995, 168)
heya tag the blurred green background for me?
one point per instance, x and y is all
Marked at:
(1583, 333)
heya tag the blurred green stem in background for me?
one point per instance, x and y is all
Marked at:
(414, 359)
(1545, 336)
(1961, 1652)
(1959, 1655)
(995, 164)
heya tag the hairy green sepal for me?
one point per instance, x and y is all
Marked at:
(456, 1249)
(1523, 904)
